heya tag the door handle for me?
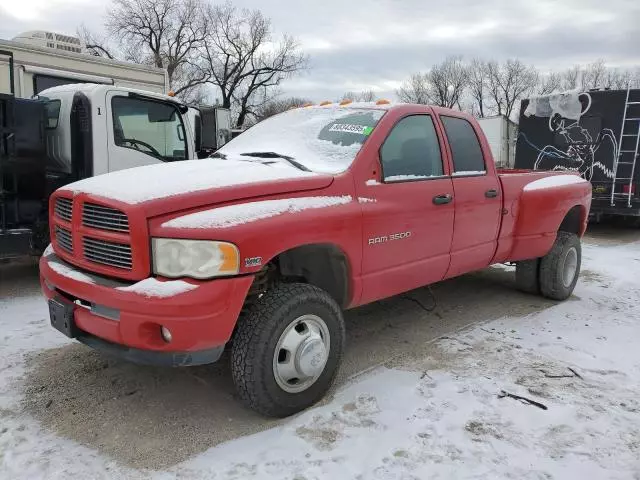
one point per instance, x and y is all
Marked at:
(442, 199)
(493, 193)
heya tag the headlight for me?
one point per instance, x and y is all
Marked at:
(173, 258)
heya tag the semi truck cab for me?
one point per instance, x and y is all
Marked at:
(76, 131)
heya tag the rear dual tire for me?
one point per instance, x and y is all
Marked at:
(555, 275)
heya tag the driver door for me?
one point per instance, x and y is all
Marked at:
(143, 131)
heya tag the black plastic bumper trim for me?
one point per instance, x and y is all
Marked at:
(149, 357)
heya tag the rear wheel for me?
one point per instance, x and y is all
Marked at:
(287, 349)
(528, 276)
(560, 268)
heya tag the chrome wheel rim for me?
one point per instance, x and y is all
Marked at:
(301, 353)
(570, 267)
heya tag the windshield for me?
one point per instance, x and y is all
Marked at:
(321, 139)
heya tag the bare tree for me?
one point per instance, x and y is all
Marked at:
(164, 33)
(363, 96)
(415, 89)
(447, 82)
(598, 75)
(242, 60)
(594, 75)
(478, 88)
(96, 46)
(549, 83)
(279, 105)
(509, 83)
(571, 78)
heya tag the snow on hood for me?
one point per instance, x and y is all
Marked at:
(233, 215)
(142, 184)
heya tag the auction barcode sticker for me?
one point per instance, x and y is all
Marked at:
(350, 128)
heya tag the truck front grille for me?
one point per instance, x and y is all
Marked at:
(104, 218)
(64, 239)
(107, 253)
(64, 209)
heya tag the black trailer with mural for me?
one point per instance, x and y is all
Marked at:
(595, 133)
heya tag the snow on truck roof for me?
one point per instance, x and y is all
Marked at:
(91, 88)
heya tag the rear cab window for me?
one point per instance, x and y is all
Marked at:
(468, 159)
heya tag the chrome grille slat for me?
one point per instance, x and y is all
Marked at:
(108, 261)
(64, 239)
(108, 253)
(112, 262)
(64, 208)
(110, 246)
(106, 225)
(104, 218)
(113, 256)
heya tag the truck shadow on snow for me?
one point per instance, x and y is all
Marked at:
(148, 417)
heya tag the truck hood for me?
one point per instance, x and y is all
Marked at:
(171, 187)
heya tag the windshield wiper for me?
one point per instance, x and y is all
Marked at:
(218, 155)
(298, 165)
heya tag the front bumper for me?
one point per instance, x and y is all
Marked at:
(127, 324)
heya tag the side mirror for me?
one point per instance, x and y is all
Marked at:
(208, 130)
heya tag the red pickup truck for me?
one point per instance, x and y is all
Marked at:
(311, 212)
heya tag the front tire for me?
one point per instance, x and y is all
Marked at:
(560, 268)
(287, 349)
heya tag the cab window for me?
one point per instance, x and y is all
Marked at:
(465, 147)
(151, 127)
(52, 112)
(411, 151)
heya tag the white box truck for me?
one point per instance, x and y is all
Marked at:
(74, 131)
(501, 134)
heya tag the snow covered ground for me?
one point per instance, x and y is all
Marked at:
(440, 412)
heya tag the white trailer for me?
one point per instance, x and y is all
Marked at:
(501, 134)
(42, 60)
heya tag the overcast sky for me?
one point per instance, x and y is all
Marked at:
(375, 44)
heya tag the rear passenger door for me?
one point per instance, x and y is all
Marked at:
(477, 199)
(408, 213)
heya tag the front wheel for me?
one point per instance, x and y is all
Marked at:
(560, 268)
(287, 349)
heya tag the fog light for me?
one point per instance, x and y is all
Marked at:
(166, 334)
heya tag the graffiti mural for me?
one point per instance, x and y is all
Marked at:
(579, 142)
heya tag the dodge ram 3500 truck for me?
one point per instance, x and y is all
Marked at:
(308, 213)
